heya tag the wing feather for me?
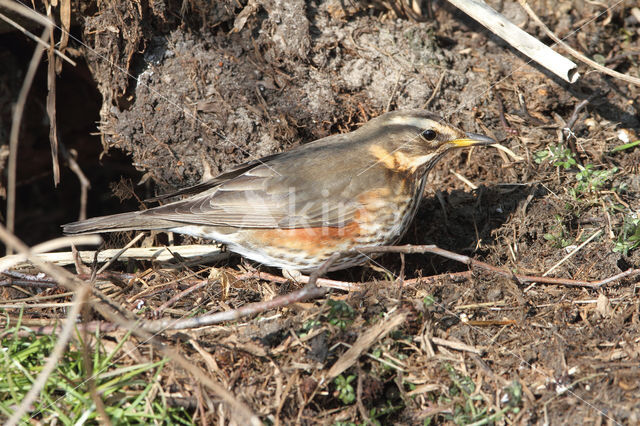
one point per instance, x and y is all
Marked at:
(266, 195)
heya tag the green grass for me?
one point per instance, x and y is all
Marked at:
(340, 314)
(346, 392)
(589, 189)
(470, 407)
(628, 237)
(128, 391)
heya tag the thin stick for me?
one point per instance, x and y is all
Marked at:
(26, 283)
(180, 295)
(89, 327)
(459, 346)
(503, 120)
(576, 112)
(305, 293)
(321, 282)
(507, 151)
(309, 291)
(483, 265)
(35, 305)
(574, 251)
(338, 285)
(393, 92)
(120, 253)
(435, 90)
(574, 52)
(51, 105)
(28, 277)
(480, 305)
(26, 12)
(463, 179)
(363, 343)
(85, 185)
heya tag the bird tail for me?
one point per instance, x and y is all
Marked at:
(117, 222)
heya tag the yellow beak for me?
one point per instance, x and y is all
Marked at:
(473, 139)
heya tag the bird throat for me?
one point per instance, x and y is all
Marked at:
(398, 161)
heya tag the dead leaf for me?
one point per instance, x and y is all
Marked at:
(603, 306)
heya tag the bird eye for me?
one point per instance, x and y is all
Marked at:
(429, 134)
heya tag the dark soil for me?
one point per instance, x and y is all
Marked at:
(189, 92)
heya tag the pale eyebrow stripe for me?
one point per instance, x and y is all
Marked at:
(419, 122)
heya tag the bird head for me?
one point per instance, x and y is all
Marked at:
(410, 141)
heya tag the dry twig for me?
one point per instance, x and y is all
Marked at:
(55, 244)
(308, 292)
(524, 42)
(85, 185)
(198, 252)
(483, 265)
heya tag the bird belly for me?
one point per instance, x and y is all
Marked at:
(296, 249)
(383, 220)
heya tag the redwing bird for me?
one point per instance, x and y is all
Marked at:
(294, 209)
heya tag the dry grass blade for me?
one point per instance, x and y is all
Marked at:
(85, 185)
(65, 20)
(507, 151)
(464, 179)
(459, 346)
(364, 342)
(51, 105)
(573, 252)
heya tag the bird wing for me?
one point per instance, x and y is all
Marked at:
(309, 187)
(212, 183)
